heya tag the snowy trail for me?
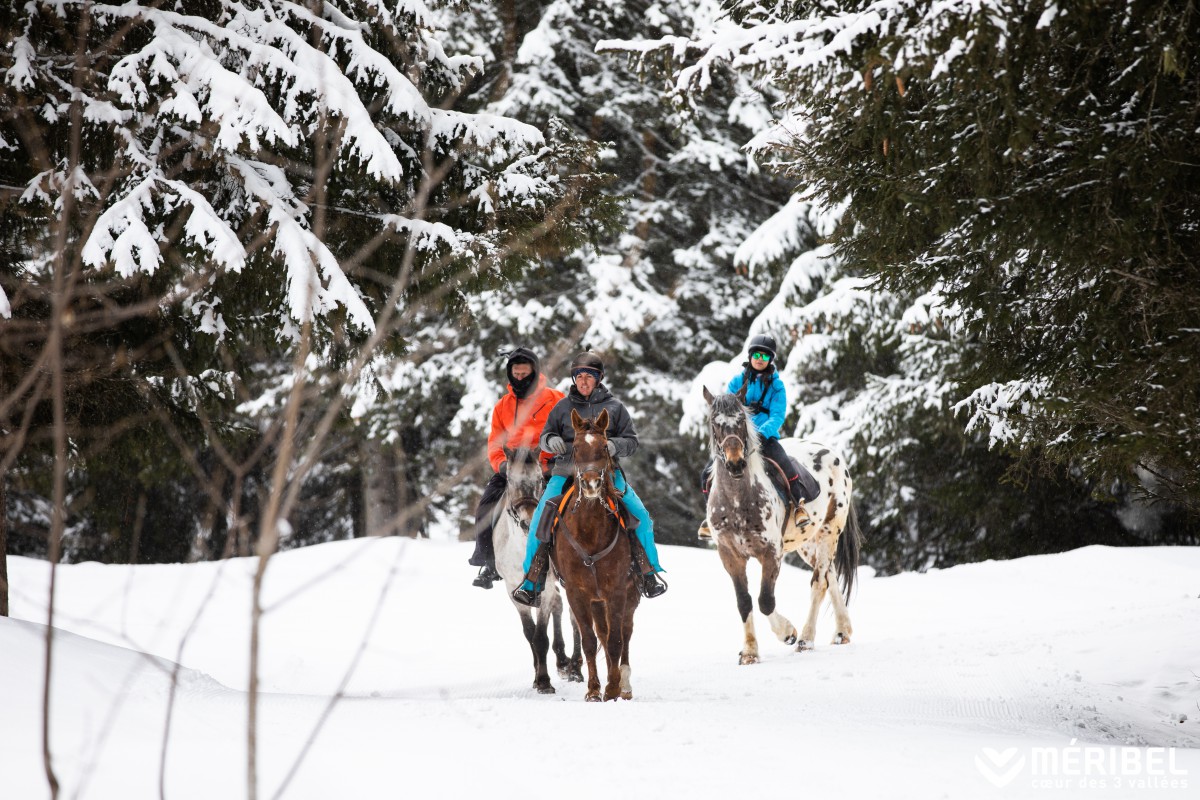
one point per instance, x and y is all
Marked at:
(953, 679)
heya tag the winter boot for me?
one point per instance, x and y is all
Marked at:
(487, 576)
(648, 582)
(529, 593)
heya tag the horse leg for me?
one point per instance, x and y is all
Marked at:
(575, 669)
(535, 634)
(780, 624)
(626, 670)
(557, 643)
(541, 642)
(820, 582)
(735, 565)
(844, 629)
(587, 633)
(614, 647)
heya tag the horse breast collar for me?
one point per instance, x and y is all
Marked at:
(589, 560)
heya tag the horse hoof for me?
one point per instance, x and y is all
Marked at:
(592, 697)
(803, 645)
(841, 638)
(791, 639)
(626, 695)
(545, 689)
(575, 676)
(747, 659)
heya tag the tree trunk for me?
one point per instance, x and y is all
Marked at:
(3, 547)
(508, 49)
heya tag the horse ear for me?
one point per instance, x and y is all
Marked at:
(741, 395)
(602, 421)
(576, 420)
(708, 398)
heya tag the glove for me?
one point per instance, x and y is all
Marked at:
(612, 447)
(503, 469)
(555, 444)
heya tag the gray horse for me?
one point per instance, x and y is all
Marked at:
(509, 537)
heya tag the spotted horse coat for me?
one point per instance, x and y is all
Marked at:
(748, 520)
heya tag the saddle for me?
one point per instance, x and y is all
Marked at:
(809, 489)
(548, 526)
(808, 484)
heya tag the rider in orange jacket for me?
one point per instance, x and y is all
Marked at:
(517, 421)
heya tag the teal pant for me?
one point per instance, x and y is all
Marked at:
(644, 531)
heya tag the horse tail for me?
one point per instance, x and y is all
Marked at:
(848, 548)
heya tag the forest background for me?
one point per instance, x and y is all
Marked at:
(259, 261)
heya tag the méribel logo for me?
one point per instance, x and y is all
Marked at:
(999, 767)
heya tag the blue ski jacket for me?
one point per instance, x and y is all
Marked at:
(766, 393)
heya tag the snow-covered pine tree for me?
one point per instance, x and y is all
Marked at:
(194, 186)
(660, 298)
(884, 130)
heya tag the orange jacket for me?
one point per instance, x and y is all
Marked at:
(519, 423)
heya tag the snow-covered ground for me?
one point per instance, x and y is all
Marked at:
(1068, 675)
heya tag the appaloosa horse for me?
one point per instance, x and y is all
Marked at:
(509, 536)
(749, 519)
(592, 553)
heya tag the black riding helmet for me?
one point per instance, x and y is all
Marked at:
(522, 355)
(763, 344)
(589, 361)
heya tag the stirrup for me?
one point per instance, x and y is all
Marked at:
(527, 597)
(800, 516)
(651, 585)
(704, 532)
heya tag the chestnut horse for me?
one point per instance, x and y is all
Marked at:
(749, 519)
(592, 554)
(509, 536)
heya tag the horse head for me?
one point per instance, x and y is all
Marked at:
(593, 464)
(524, 483)
(733, 438)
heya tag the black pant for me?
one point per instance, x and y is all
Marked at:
(493, 492)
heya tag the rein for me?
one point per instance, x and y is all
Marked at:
(590, 559)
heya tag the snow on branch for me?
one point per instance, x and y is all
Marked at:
(123, 237)
(993, 405)
(782, 235)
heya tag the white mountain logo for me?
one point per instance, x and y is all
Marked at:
(999, 767)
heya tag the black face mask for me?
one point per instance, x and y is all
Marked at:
(522, 386)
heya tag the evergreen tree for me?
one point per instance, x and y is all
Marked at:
(197, 188)
(660, 296)
(981, 173)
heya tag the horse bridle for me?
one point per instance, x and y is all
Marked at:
(724, 441)
(721, 448)
(513, 508)
(590, 559)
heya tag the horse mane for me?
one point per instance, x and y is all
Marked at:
(729, 403)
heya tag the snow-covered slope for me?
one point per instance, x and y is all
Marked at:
(1069, 675)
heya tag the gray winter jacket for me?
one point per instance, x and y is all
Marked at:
(620, 427)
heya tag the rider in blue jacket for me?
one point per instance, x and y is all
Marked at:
(766, 398)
